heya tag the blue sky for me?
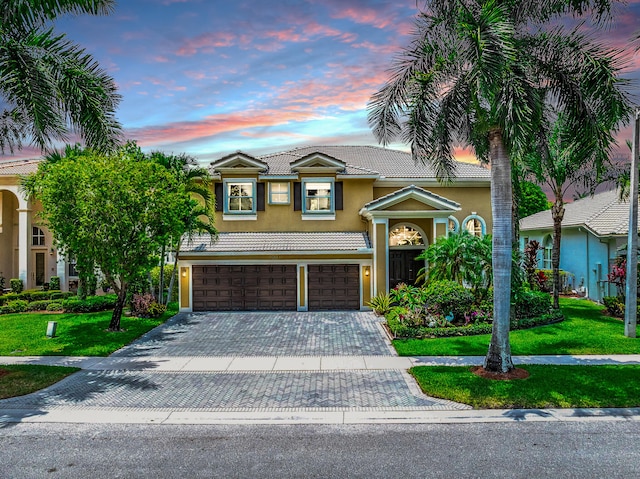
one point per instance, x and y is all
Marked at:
(209, 77)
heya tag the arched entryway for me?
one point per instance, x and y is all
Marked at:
(406, 241)
(8, 235)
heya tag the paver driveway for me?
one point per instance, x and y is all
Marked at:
(334, 333)
(131, 379)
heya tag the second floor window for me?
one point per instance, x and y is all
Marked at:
(318, 197)
(240, 197)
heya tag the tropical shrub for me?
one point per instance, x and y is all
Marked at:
(16, 285)
(460, 257)
(54, 283)
(381, 304)
(530, 304)
(146, 306)
(445, 297)
(2, 283)
(614, 305)
(407, 296)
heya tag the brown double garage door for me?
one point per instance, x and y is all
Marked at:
(274, 287)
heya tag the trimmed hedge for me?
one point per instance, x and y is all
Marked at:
(444, 297)
(17, 306)
(531, 304)
(90, 305)
(38, 305)
(35, 295)
(399, 330)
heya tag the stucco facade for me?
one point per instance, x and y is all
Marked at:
(340, 224)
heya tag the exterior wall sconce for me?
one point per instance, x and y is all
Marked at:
(366, 271)
(184, 273)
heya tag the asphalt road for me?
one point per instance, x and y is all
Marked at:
(531, 450)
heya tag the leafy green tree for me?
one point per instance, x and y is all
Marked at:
(532, 200)
(50, 85)
(460, 257)
(112, 211)
(200, 218)
(483, 73)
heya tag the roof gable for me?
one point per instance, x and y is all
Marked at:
(318, 162)
(417, 195)
(239, 161)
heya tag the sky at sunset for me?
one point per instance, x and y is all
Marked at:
(209, 77)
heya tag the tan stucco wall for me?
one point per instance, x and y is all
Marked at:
(410, 205)
(356, 193)
(8, 235)
(471, 199)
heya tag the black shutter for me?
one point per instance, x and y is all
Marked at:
(297, 197)
(339, 201)
(219, 196)
(260, 199)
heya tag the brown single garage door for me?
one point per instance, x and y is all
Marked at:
(334, 286)
(244, 287)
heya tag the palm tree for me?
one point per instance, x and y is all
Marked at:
(558, 165)
(482, 73)
(50, 85)
(200, 219)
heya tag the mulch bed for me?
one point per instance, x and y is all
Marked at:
(515, 373)
(4, 372)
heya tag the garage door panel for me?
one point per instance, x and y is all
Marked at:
(244, 287)
(334, 286)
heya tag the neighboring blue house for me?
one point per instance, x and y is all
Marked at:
(594, 233)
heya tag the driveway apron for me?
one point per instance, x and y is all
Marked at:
(131, 379)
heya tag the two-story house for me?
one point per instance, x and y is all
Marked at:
(326, 227)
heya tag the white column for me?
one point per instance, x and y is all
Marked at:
(62, 271)
(24, 221)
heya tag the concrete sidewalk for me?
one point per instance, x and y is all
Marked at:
(298, 363)
(294, 390)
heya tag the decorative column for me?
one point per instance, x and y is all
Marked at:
(61, 263)
(24, 222)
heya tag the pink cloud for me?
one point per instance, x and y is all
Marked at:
(206, 42)
(215, 125)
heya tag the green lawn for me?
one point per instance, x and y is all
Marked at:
(24, 334)
(585, 330)
(21, 379)
(546, 387)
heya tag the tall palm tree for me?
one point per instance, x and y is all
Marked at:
(49, 86)
(200, 219)
(482, 73)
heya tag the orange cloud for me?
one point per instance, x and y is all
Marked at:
(207, 42)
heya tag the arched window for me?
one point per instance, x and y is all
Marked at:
(37, 236)
(546, 254)
(475, 225)
(405, 236)
(453, 225)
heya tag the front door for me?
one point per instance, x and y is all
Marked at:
(403, 267)
(39, 269)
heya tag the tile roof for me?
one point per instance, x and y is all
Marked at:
(18, 167)
(602, 213)
(277, 242)
(370, 160)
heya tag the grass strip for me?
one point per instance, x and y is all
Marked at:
(585, 330)
(21, 379)
(24, 334)
(547, 386)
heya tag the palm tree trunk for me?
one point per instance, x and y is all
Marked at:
(499, 355)
(161, 279)
(557, 212)
(631, 287)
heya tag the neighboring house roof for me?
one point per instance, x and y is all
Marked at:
(367, 161)
(280, 242)
(603, 213)
(18, 167)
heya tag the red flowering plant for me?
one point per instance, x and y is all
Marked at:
(618, 275)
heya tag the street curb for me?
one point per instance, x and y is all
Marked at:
(301, 416)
